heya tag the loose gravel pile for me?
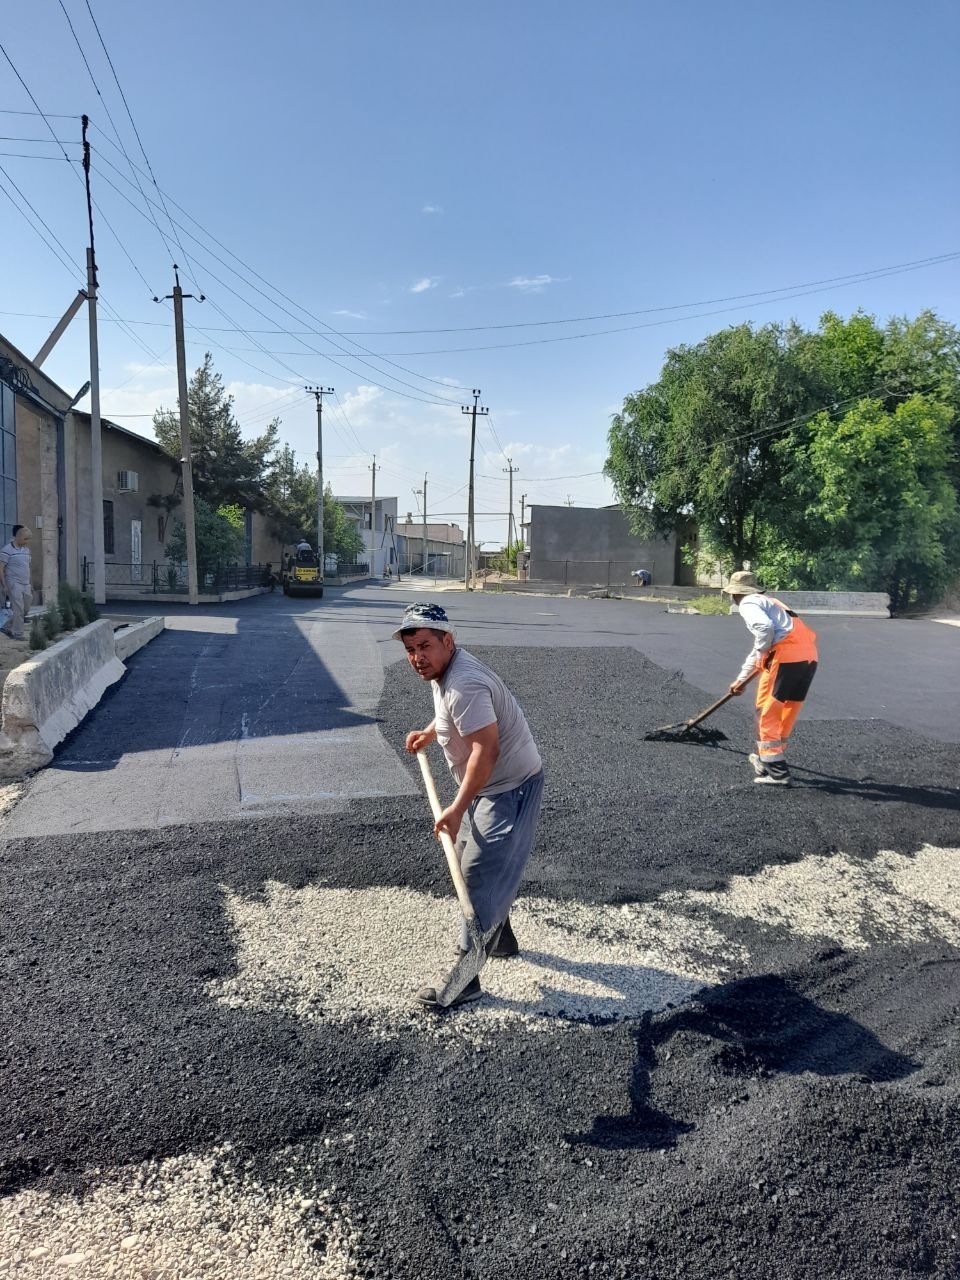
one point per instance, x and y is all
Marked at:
(206, 1053)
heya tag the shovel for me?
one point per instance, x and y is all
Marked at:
(688, 729)
(475, 957)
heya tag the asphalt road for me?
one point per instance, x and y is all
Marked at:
(729, 1047)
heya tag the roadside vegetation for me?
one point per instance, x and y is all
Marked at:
(824, 460)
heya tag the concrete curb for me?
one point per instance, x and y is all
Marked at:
(46, 697)
(128, 640)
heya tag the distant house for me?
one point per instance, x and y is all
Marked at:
(594, 546)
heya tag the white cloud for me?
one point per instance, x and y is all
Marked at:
(432, 208)
(428, 282)
(351, 315)
(534, 284)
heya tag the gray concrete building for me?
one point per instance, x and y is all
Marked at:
(594, 546)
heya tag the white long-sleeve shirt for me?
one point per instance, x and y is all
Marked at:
(769, 622)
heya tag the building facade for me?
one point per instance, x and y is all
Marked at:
(594, 546)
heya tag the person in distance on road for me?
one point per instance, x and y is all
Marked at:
(785, 651)
(492, 755)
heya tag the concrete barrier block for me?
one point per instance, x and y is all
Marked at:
(128, 640)
(48, 695)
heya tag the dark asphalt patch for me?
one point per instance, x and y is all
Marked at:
(625, 819)
(799, 1122)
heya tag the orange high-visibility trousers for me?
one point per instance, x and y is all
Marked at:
(785, 677)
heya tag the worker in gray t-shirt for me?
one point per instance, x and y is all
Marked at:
(492, 755)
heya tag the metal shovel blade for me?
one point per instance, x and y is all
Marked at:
(469, 964)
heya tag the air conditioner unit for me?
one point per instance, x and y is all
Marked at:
(128, 481)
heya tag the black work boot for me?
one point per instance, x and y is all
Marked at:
(777, 774)
(502, 945)
(427, 996)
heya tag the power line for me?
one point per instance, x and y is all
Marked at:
(325, 355)
(330, 330)
(36, 104)
(854, 278)
(116, 131)
(143, 152)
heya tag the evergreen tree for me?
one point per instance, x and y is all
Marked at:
(226, 468)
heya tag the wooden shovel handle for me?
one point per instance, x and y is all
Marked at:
(720, 702)
(453, 862)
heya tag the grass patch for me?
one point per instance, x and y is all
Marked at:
(717, 605)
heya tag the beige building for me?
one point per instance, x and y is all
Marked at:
(47, 485)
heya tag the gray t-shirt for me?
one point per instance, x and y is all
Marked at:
(467, 698)
(16, 565)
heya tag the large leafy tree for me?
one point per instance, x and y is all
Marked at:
(226, 467)
(700, 441)
(876, 503)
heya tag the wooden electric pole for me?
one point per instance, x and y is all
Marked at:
(473, 410)
(319, 393)
(510, 469)
(186, 456)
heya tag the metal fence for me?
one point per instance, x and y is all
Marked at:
(350, 570)
(159, 578)
(595, 573)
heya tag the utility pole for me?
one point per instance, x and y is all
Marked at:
(424, 525)
(96, 452)
(373, 469)
(186, 456)
(473, 410)
(510, 469)
(523, 517)
(319, 393)
(569, 501)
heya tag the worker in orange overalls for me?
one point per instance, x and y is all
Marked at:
(785, 652)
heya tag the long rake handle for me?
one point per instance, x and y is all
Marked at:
(453, 862)
(719, 703)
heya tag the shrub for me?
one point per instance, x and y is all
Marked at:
(52, 622)
(718, 605)
(38, 636)
(91, 612)
(68, 598)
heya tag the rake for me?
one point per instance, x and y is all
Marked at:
(689, 730)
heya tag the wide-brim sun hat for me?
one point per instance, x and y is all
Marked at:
(421, 615)
(742, 583)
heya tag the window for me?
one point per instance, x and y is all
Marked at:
(108, 546)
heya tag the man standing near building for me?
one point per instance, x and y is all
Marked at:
(785, 651)
(492, 755)
(15, 580)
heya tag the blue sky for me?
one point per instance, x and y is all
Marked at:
(428, 165)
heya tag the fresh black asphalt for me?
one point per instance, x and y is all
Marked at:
(801, 1120)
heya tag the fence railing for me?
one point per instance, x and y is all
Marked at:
(158, 578)
(351, 570)
(600, 573)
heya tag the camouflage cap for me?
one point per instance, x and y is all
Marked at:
(417, 616)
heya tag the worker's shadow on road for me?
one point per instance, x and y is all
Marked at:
(880, 792)
(754, 1027)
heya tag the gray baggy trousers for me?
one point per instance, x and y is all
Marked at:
(494, 844)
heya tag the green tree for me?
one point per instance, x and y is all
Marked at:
(876, 508)
(291, 497)
(226, 468)
(220, 537)
(700, 441)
